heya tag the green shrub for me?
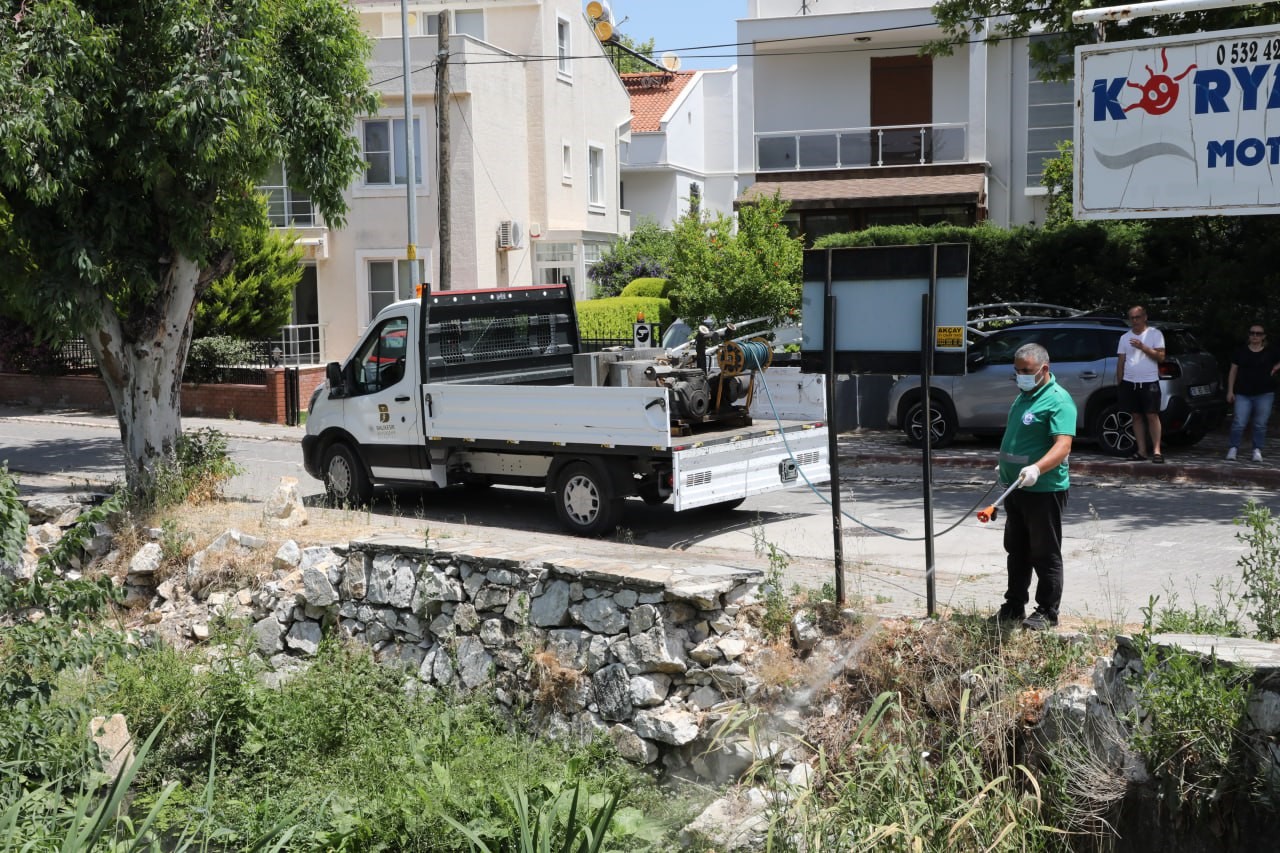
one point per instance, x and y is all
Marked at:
(657, 288)
(13, 520)
(209, 355)
(613, 317)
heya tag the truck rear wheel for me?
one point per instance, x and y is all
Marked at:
(344, 476)
(586, 502)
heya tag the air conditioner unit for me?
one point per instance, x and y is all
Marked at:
(510, 235)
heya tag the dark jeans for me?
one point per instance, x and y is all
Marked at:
(1033, 540)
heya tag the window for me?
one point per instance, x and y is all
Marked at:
(567, 166)
(384, 152)
(1050, 114)
(554, 263)
(595, 176)
(286, 206)
(469, 23)
(381, 358)
(389, 281)
(562, 47)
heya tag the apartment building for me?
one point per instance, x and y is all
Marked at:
(537, 119)
(840, 114)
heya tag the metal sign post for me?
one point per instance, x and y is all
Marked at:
(833, 438)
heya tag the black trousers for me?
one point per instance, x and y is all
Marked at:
(1033, 540)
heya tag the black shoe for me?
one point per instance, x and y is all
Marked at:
(1007, 615)
(1038, 621)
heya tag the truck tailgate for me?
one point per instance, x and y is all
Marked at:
(758, 461)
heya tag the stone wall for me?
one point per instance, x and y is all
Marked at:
(589, 649)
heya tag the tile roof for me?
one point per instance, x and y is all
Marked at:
(652, 93)
(870, 191)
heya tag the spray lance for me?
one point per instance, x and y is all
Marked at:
(989, 513)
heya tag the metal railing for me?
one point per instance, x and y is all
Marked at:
(299, 345)
(861, 147)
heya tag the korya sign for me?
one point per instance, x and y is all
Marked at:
(1178, 126)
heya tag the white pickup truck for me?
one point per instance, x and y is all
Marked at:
(488, 387)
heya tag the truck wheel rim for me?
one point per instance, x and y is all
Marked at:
(340, 476)
(581, 500)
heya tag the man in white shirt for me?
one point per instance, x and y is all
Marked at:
(1138, 374)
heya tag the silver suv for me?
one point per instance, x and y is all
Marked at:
(1082, 356)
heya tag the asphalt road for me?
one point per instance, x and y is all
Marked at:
(1127, 537)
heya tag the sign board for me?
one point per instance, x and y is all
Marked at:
(878, 304)
(1178, 126)
(644, 335)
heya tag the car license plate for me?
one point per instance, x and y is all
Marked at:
(1201, 390)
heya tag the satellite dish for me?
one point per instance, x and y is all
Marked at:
(670, 61)
(604, 30)
(598, 10)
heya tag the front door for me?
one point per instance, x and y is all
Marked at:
(901, 94)
(383, 394)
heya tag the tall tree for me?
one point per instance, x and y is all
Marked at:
(133, 132)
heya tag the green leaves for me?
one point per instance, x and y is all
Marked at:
(728, 275)
(13, 520)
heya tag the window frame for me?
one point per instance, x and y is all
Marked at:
(564, 49)
(595, 176)
(364, 186)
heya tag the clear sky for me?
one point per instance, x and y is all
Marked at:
(680, 26)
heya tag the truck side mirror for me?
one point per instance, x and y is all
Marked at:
(333, 375)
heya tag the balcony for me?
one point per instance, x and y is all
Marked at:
(861, 147)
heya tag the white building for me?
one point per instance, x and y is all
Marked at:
(839, 113)
(537, 118)
(683, 149)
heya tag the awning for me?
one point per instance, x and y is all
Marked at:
(827, 193)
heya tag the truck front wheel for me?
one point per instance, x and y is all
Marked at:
(345, 478)
(585, 499)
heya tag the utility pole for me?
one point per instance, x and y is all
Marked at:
(442, 146)
(410, 175)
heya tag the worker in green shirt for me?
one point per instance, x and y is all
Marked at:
(1033, 453)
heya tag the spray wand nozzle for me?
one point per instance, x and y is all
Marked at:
(989, 513)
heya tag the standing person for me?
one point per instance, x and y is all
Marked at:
(1033, 453)
(1138, 374)
(1251, 389)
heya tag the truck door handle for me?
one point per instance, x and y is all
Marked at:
(1089, 374)
(402, 399)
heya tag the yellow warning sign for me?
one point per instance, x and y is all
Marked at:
(949, 337)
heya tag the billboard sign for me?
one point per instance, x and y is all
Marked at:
(1178, 126)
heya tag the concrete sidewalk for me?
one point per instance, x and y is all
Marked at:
(1203, 463)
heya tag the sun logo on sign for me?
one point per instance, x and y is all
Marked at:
(1160, 92)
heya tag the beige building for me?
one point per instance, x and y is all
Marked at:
(537, 119)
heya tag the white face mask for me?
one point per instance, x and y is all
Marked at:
(1027, 383)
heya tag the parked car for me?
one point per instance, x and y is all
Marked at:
(1082, 356)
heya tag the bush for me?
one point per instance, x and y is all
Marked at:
(655, 288)
(613, 317)
(201, 467)
(209, 355)
(645, 253)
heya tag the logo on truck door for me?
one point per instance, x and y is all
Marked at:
(384, 414)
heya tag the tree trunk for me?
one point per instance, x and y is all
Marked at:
(141, 360)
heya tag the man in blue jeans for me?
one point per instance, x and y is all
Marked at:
(1033, 453)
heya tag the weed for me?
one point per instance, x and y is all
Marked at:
(1190, 710)
(13, 520)
(1221, 618)
(201, 467)
(777, 607)
(1261, 568)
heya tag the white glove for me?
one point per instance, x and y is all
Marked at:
(1029, 476)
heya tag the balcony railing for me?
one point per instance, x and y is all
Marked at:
(286, 207)
(861, 147)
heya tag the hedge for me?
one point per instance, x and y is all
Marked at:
(1217, 273)
(658, 288)
(613, 316)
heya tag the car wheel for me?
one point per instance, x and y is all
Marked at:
(585, 500)
(942, 424)
(1113, 430)
(345, 478)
